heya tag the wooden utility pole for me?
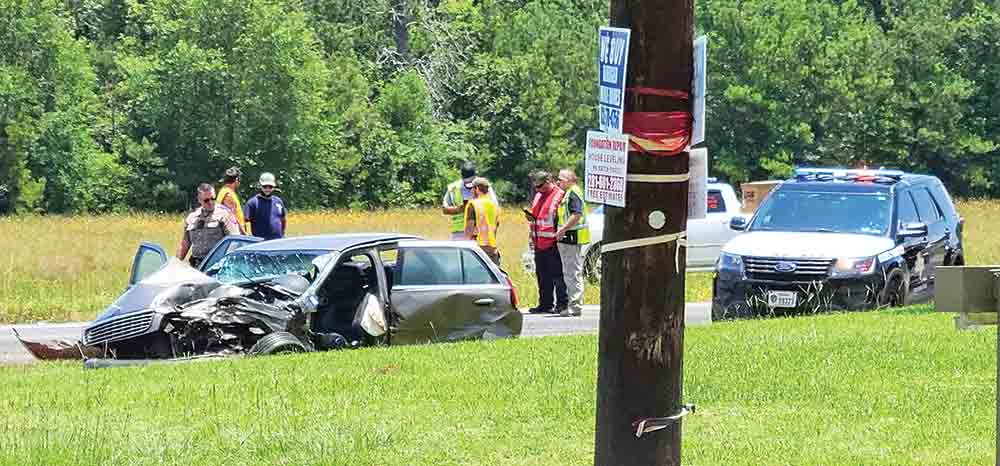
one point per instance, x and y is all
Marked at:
(641, 338)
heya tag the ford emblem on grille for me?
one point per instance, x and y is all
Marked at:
(785, 267)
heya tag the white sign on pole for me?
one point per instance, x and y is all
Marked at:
(698, 89)
(698, 184)
(606, 167)
(612, 63)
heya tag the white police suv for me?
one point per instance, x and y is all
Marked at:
(838, 239)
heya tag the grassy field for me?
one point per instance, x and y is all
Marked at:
(897, 387)
(69, 268)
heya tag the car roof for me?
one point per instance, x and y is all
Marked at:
(438, 243)
(331, 242)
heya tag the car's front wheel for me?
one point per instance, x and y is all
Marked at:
(276, 343)
(895, 293)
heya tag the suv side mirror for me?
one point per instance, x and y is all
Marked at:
(913, 230)
(738, 223)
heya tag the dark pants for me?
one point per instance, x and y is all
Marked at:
(548, 269)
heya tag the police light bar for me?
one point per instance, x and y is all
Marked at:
(847, 172)
(712, 179)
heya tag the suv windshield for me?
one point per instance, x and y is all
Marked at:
(242, 266)
(858, 213)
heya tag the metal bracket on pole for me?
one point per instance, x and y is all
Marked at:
(653, 424)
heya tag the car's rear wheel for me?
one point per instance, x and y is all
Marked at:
(592, 264)
(497, 331)
(276, 343)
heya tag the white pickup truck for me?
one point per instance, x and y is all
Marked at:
(705, 235)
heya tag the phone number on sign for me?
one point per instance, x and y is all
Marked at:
(605, 182)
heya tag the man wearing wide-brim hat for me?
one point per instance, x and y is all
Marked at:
(266, 212)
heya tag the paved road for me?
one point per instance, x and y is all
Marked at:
(534, 326)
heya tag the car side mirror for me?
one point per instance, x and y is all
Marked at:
(913, 230)
(738, 223)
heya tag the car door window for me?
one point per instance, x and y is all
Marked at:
(148, 259)
(936, 203)
(474, 270)
(390, 257)
(943, 201)
(907, 211)
(926, 209)
(431, 266)
(716, 203)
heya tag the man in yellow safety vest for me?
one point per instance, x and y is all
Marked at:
(458, 194)
(572, 234)
(482, 219)
(229, 198)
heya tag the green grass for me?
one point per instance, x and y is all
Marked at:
(892, 387)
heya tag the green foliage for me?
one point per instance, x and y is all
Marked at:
(46, 88)
(128, 104)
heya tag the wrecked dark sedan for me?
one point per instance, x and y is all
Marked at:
(305, 294)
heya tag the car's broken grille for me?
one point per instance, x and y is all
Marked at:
(119, 328)
(767, 268)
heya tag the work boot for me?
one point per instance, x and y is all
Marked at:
(563, 311)
(539, 310)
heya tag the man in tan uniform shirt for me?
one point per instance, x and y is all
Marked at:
(204, 227)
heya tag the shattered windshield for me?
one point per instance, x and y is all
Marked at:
(252, 265)
(800, 211)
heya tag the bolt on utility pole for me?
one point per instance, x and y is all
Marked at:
(641, 339)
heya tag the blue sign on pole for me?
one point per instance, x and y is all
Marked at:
(612, 63)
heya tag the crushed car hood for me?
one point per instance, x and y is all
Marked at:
(806, 245)
(141, 295)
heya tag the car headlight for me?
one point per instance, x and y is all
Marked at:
(852, 267)
(730, 263)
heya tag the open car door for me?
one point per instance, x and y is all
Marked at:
(148, 259)
(226, 245)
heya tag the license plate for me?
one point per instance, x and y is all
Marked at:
(782, 298)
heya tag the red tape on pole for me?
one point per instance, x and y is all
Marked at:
(658, 133)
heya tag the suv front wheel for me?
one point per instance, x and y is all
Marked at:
(895, 292)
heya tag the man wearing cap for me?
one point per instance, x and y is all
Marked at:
(265, 211)
(482, 219)
(204, 227)
(458, 194)
(542, 223)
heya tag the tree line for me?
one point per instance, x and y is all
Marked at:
(118, 105)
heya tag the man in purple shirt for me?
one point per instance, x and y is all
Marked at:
(266, 212)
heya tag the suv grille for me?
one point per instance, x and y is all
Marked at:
(768, 268)
(119, 328)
